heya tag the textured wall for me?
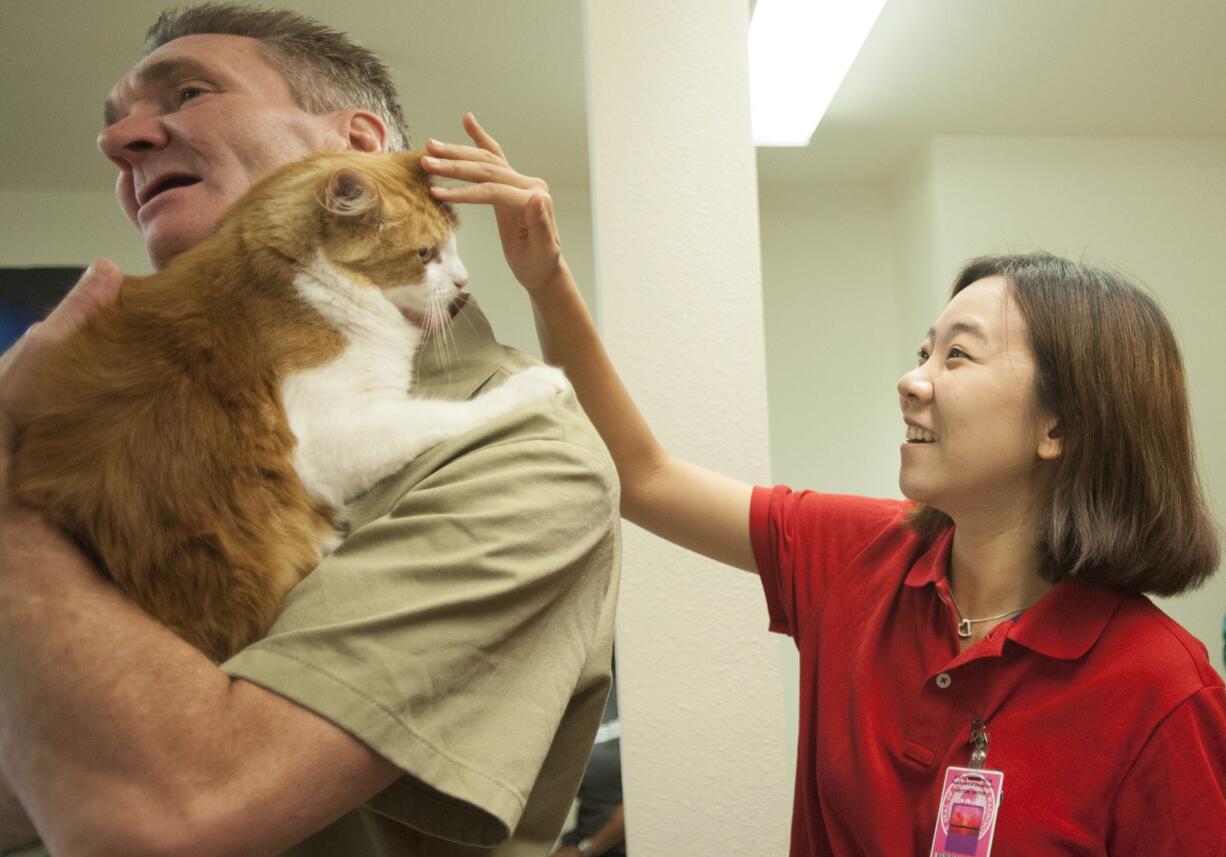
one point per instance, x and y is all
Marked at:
(706, 765)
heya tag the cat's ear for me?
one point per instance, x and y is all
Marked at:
(351, 193)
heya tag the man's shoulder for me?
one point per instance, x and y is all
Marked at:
(547, 445)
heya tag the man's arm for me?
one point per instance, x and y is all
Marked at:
(119, 738)
(115, 735)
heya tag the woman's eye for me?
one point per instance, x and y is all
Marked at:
(921, 355)
(956, 352)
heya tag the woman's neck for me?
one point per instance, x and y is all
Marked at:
(994, 570)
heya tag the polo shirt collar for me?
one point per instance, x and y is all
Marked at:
(1065, 623)
(456, 362)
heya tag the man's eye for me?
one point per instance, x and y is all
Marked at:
(921, 355)
(956, 352)
(187, 93)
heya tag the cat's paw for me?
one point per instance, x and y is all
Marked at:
(539, 382)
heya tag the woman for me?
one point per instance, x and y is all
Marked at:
(996, 619)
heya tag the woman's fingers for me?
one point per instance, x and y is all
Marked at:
(486, 192)
(540, 217)
(480, 137)
(462, 152)
(480, 172)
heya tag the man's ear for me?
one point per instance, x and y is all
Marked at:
(365, 132)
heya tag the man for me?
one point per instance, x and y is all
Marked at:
(433, 687)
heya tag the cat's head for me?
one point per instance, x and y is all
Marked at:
(370, 217)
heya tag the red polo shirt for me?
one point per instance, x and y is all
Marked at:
(1104, 715)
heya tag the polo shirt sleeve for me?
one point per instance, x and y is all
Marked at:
(450, 633)
(801, 539)
(1173, 799)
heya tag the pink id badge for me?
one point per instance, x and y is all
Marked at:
(966, 822)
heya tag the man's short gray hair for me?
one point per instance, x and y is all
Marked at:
(325, 69)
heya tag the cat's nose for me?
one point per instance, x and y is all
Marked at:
(459, 276)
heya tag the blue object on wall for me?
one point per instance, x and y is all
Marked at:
(28, 294)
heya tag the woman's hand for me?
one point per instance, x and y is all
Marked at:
(521, 204)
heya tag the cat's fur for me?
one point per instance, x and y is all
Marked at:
(202, 435)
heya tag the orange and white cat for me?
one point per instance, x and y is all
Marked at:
(202, 435)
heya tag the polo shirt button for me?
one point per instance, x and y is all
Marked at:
(944, 681)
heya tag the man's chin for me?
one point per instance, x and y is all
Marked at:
(162, 248)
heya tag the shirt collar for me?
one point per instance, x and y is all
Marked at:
(1065, 623)
(454, 362)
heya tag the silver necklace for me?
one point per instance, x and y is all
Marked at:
(964, 624)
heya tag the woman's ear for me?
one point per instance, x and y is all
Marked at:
(1050, 444)
(350, 193)
(365, 132)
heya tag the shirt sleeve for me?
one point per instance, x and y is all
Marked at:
(801, 538)
(450, 633)
(1173, 799)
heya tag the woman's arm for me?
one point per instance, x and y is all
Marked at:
(15, 826)
(686, 504)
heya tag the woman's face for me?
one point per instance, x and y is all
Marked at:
(976, 439)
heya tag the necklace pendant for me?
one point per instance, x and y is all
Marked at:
(964, 629)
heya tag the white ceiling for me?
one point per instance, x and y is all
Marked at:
(1024, 67)
(517, 65)
(1019, 67)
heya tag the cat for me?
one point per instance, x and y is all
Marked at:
(202, 435)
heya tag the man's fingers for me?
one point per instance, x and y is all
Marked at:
(98, 287)
(480, 137)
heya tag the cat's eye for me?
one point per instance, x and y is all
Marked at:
(425, 253)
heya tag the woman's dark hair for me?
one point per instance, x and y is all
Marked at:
(1125, 508)
(324, 68)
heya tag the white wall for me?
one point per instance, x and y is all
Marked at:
(1154, 209)
(66, 229)
(706, 767)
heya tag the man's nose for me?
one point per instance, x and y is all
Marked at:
(130, 138)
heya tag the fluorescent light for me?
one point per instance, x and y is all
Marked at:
(799, 53)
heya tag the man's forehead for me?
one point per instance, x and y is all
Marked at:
(203, 54)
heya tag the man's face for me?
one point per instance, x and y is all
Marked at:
(194, 125)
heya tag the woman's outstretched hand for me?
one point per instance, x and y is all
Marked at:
(521, 203)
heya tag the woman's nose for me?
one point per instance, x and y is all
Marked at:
(913, 387)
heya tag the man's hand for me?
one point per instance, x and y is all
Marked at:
(98, 286)
(521, 204)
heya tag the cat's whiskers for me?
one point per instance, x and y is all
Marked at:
(442, 339)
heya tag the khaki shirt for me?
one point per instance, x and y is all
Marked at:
(464, 629)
